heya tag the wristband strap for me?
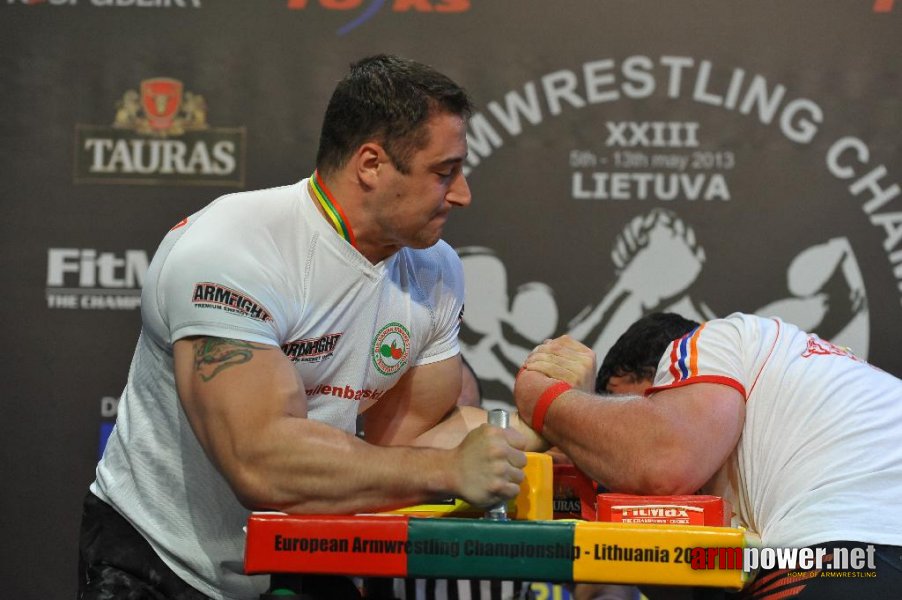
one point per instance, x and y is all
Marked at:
(544, 403)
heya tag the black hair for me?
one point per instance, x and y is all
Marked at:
(386, 99)
(638, 351)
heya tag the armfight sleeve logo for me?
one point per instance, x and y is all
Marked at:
(214, 295)
(160, 135)
(312, 350)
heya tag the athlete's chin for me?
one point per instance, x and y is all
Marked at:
(426, 238)
(421, 243)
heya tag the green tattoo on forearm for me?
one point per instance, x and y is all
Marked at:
(212, 355)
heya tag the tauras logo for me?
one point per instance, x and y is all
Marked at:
(160, 135)
(312, 349)
(84, 278)
(214, 295)
(566, 505)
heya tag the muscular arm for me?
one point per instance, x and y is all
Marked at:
(669, 443)
(422, 410)
(247, 407)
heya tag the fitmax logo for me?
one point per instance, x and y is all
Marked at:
(83, 278)
(371, 8)
(95, 269)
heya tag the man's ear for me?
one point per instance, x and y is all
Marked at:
(370, 160)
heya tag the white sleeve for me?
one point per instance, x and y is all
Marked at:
(710, 353)
(219, 283)
(447, 297)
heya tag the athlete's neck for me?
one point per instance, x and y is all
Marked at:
(331, 209)
(325, 196)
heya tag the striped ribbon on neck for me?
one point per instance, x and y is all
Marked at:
(332, 208)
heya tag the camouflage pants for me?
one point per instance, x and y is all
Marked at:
(116, 563)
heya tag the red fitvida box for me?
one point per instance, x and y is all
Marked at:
(672, 510)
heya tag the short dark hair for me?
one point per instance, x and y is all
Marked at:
(387, 99)
(638, 351)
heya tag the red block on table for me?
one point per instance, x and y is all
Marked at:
(671, 510)
(574, 493)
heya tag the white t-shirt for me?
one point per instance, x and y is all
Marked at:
(264, 267)
(820, 456)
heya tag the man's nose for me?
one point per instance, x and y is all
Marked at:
(459, 192)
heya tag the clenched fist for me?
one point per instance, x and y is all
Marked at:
(490, 463)
(561, 359)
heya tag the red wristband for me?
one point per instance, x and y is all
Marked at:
(544, 403)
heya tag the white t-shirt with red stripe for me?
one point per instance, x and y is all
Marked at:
(820, 456)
